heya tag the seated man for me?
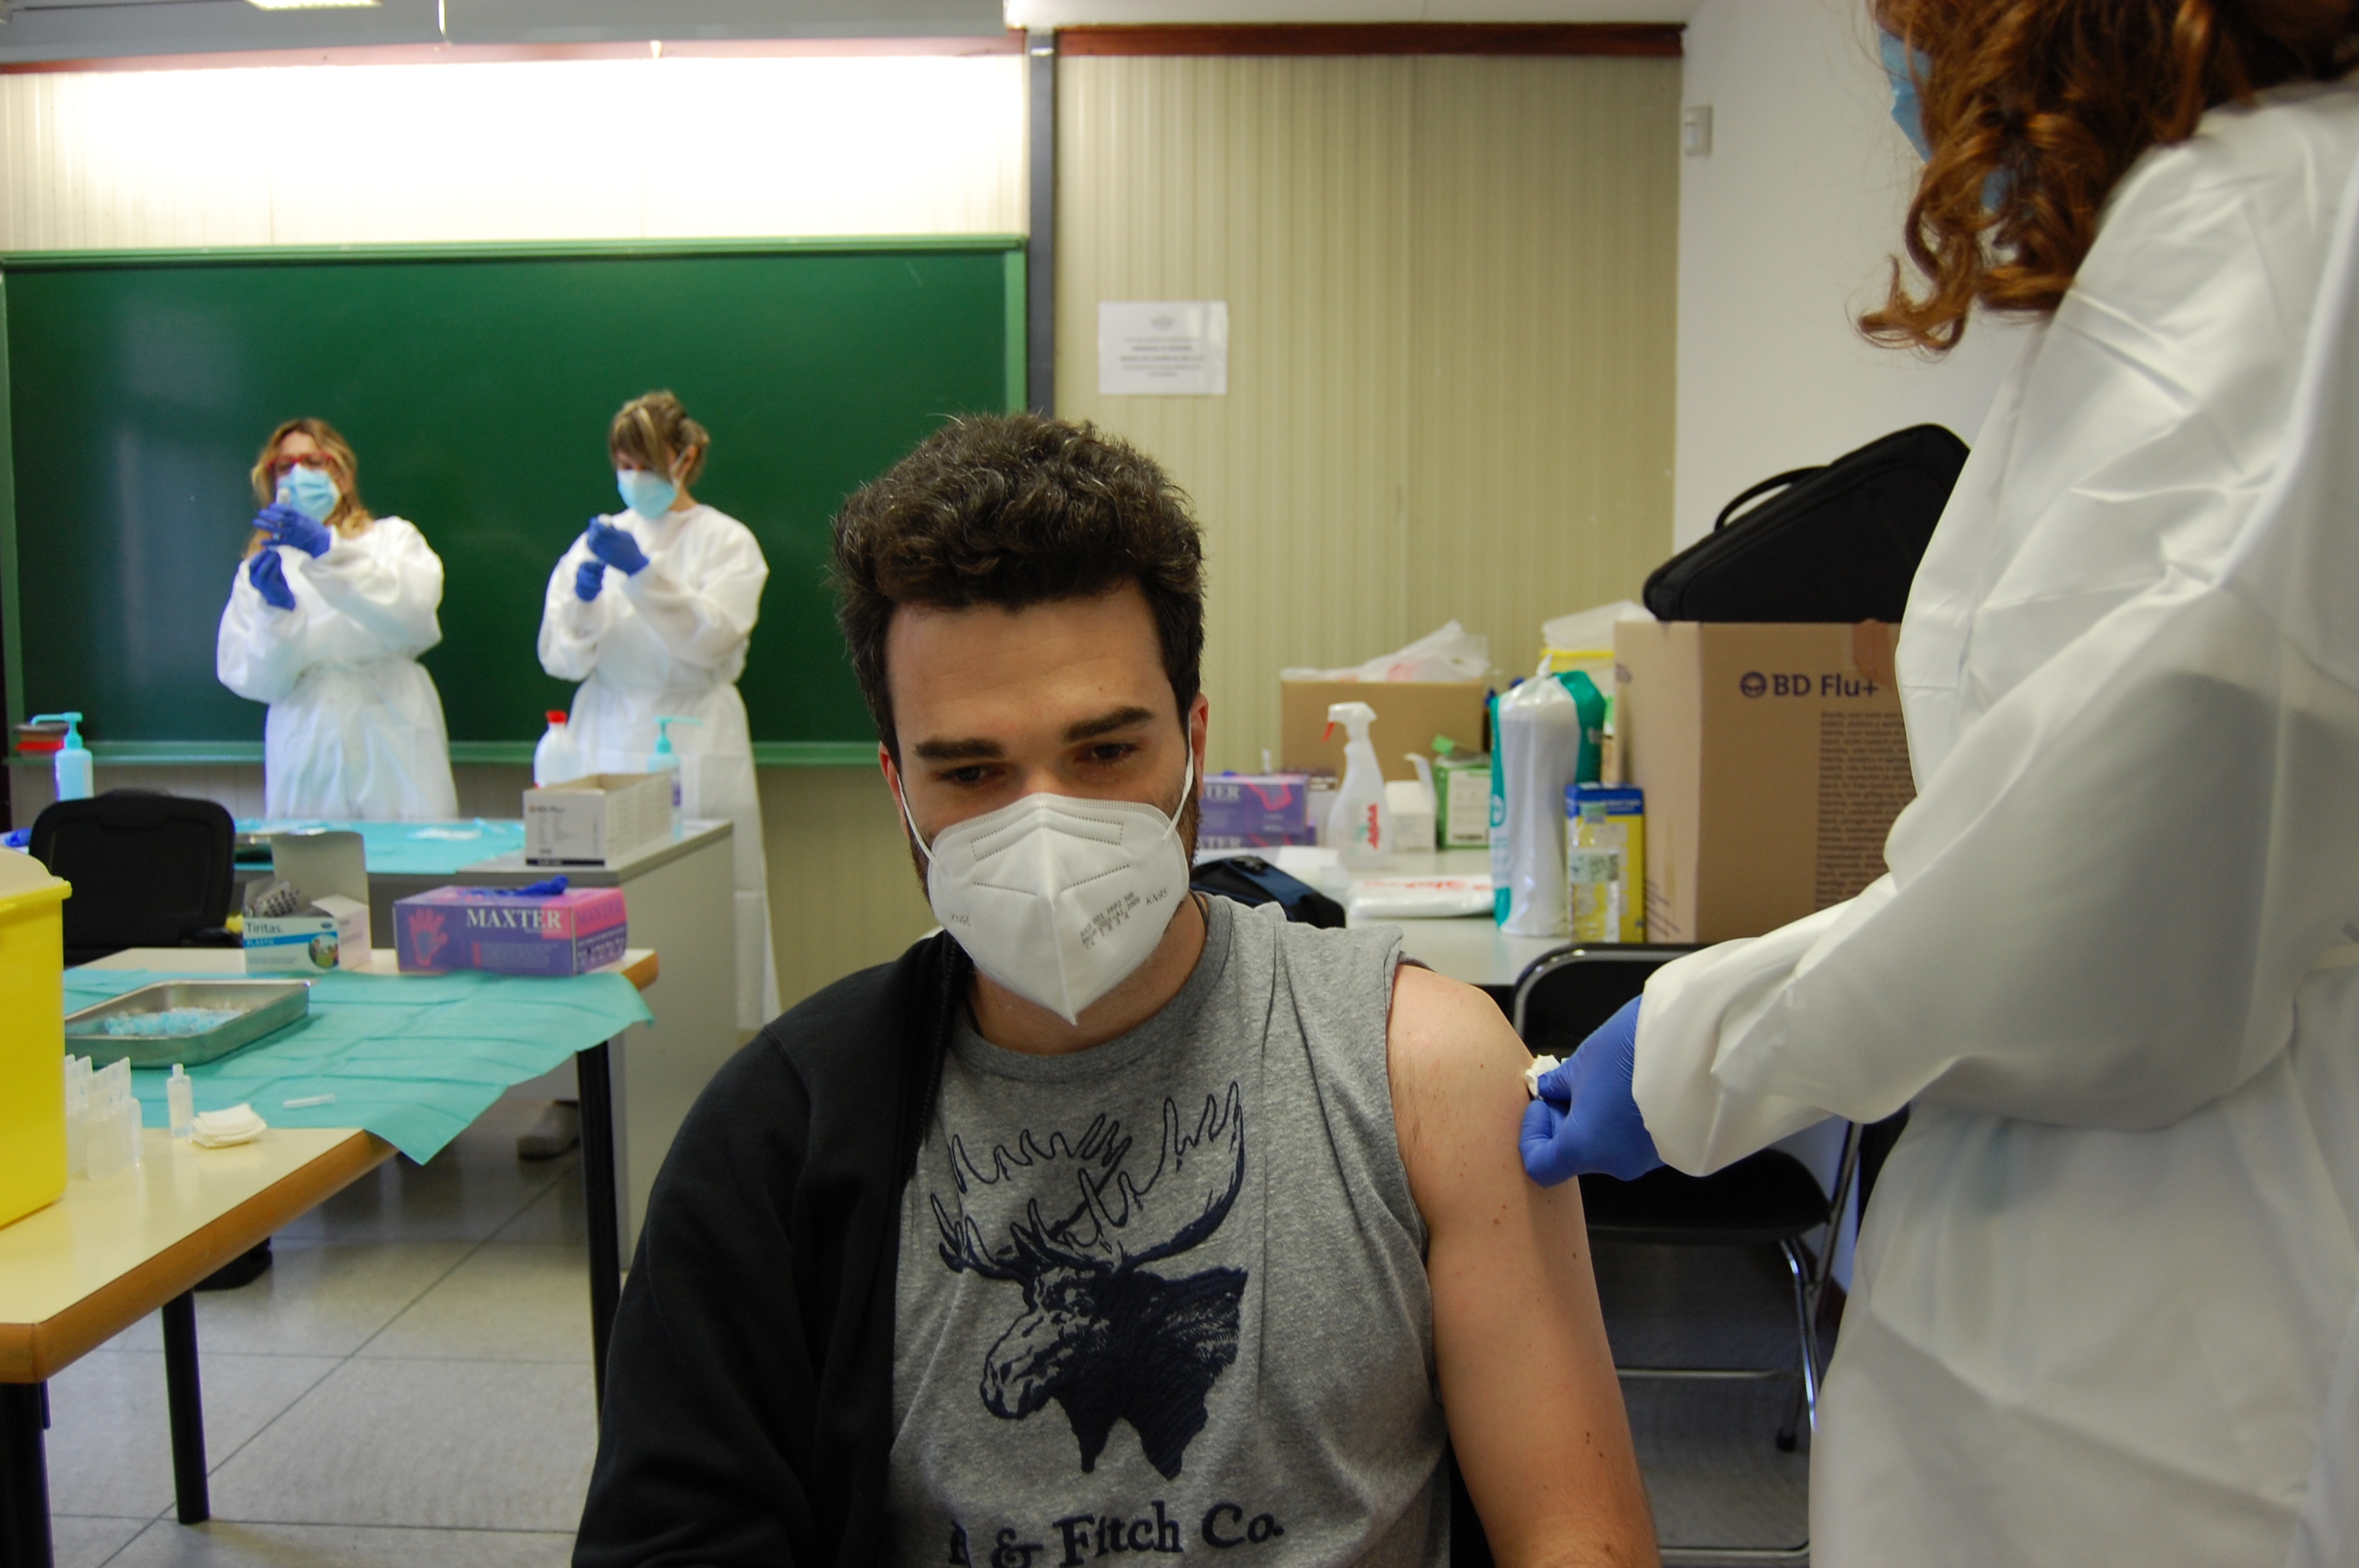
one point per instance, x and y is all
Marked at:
(1112, 1218)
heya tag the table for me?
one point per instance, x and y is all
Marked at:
(80, 1271)
(1469, 947)
(681, 898)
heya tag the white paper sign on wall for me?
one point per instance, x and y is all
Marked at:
(1163, 348)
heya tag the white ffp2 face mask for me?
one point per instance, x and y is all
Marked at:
(1057, 898)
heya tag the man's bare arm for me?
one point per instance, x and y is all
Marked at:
(1535, 1411)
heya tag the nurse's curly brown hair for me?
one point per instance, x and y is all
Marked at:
(2043, 105)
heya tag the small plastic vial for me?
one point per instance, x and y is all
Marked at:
(181, 1097)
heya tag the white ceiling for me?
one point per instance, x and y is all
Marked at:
(1134, 13)
(72, 30)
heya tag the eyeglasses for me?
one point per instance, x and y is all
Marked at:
(281, 467)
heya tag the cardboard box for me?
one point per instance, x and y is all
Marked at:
(567, 932)
(1773, 760)
(1242, 811)
(1410, 714)
(597, 820)
(331, 933)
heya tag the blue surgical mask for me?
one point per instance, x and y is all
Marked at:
(648, 494)
(312, 492)
(1907, 67)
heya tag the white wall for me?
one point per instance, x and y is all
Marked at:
(1784, 232)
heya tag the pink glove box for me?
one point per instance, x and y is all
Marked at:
(567, 933)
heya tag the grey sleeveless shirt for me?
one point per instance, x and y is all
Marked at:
(1169, 1295)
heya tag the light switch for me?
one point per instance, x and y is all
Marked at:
(1695, 130)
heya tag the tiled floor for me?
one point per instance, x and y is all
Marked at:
(1709, 1449)
(409, 1383)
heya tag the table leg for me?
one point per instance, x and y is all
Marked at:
(24, 1478)
(597, 1090)
(184, 1392)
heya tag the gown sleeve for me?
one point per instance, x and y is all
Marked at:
(2103, 904)
(387, 588)
(702, 608)
(261, 650)
(570, 629)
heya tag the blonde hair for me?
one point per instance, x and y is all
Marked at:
(352, 516)
(653, 431)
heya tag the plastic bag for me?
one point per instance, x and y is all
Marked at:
(1539, 755)
(1450, 653)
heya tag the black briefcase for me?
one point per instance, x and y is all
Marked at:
(1838, 543)
(1250, 880)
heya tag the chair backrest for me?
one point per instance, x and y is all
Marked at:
(1564, 995)
(148, 869)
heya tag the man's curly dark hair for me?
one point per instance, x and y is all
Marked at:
(1013, 511)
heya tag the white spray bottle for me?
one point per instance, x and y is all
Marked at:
(556, 759)
(1360, 823)
(664, 760)
(72, 765)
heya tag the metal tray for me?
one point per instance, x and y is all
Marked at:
(264, 1007)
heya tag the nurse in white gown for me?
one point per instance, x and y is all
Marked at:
(2103, 1309)
(326, 615)
(650, 610)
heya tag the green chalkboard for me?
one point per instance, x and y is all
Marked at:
(475, 383)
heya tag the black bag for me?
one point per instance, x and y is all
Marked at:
(1250, 880)
(1841, 544)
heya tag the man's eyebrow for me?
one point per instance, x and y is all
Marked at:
(1107, 723)
(978, 750)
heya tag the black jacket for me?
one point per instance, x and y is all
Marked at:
(750, 1386)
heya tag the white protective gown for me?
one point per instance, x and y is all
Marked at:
(355, 727)
(2104, 1305)
(672, 640)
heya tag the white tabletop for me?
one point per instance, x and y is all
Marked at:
(85, 1267)
(1469, 947)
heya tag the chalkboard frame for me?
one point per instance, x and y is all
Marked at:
(775, 754)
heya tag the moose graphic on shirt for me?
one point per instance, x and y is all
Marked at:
(1075, 1224)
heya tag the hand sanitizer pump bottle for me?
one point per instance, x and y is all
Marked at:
(72, 765)
(664, 760)
(1360, 824)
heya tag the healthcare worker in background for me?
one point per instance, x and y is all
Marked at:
(2102, 1311)
(326, 615)
(650, 611)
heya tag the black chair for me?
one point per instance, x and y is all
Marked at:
(1765, 1199)
(148, 869)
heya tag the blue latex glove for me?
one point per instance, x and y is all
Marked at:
(616, 548)
(268, 573)
(290, 526)
(589, 578)
(1586, 1121)
(549, 889)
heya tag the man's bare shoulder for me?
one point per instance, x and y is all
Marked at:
(1458, 1083)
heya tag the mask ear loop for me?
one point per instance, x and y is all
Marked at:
(901, 797)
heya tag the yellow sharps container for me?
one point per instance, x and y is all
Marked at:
(32, 1037)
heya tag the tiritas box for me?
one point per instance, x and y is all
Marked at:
(1259, 811)
(1773, 760)
(567, 933)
